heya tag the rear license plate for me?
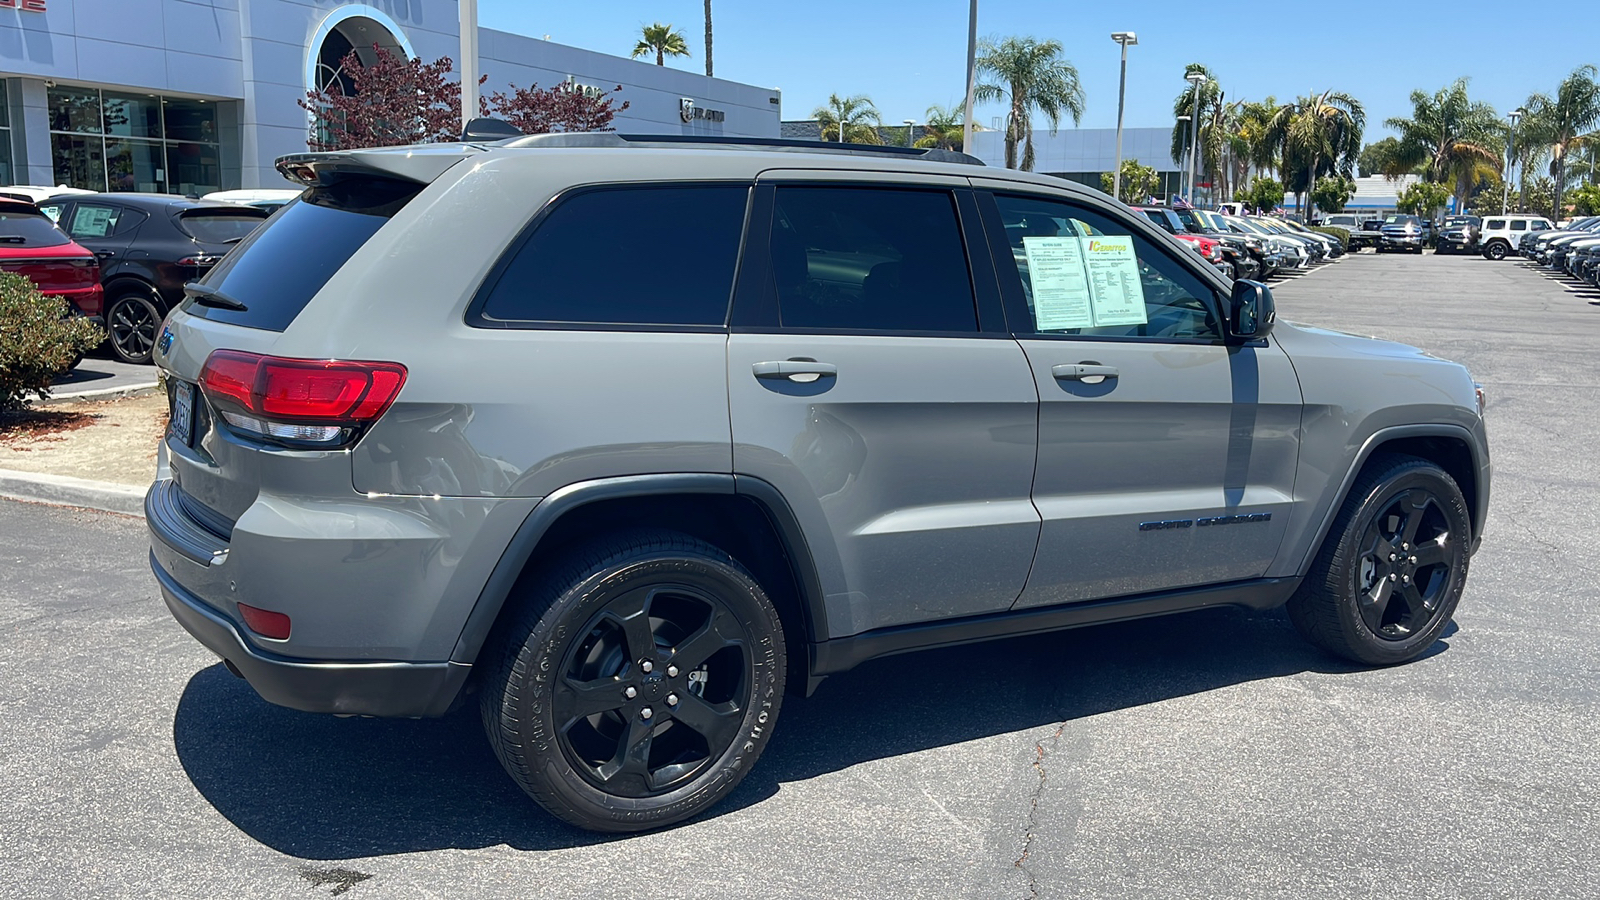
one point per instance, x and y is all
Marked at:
(181, 425)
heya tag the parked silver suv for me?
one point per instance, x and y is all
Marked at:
(624, 436)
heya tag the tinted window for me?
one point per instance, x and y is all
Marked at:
(278, 269)
(220, 228)
(1519, 225)
(638, 256)
(1159, 218)
(876, 259)
(29, 230)
(1495, 224)
(1073, 283)
(1539, 225)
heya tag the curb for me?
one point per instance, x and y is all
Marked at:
(64, 490)
(101, 393)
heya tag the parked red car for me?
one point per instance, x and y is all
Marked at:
(31, 245)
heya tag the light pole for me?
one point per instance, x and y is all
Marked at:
(1511, 160)
(909, 124)
(1182, 174)
(469, 61)
(1196, 79)
(1126, 39)
(972, 74)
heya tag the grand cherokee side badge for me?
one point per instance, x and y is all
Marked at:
(1205, 521)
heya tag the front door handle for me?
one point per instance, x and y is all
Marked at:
(1092, 373)
(105, 254)
(798, 370)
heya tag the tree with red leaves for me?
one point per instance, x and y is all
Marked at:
(397, 100)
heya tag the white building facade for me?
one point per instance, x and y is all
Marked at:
(192, 96)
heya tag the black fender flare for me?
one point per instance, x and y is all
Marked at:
(497, 589)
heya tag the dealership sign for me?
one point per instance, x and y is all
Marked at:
(691, 113)
(24, 5)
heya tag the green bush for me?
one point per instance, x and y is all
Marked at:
(1343, 234)
(37, 340)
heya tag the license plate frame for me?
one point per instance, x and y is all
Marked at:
(180, 424)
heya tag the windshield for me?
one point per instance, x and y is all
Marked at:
(1402, 220)
(221, 226)
(20, 229)
(1248, 226)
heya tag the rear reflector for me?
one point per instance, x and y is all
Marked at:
(302, 401)
(268, 624)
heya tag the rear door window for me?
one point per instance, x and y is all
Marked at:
(220, 227)
(278, 269)
(20, 229)
(94, 220)
(1495, 225)
(638, 255)
(1519, 225)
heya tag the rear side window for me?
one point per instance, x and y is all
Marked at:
(1495, 224)
(91, 220)
(1539, 225)
(625, 256)
(227, 227)
(278, 269)
(18, 229)
(1519, 225)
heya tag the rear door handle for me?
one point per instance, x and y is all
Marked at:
(1082, 371)
(105, 254)
(800, 370)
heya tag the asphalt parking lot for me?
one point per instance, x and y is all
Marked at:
(1209, 755)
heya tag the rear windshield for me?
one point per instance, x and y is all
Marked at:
(278, 269)
(221, 227)
(19, 229)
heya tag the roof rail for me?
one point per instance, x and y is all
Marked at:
(785, 145)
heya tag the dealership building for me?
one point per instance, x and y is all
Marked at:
(192, 96)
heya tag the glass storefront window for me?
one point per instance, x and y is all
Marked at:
(5, 109)
(195, 168)
(133, 116)
(191, 120)
(79, 161)
(5, 137)
(75, 109)
(133, 165)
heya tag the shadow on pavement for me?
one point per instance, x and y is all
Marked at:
(319, 787)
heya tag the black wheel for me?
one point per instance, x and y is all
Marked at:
(1388, 576)
(1496, 250)
(132, 321)
(639, 683)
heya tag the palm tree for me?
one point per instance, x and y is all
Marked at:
(1559, 122)
(1215, 128)
(708, 38)
(942, 128)
(1320, 134)
(1031, 75)
(663, 41)
(1449, 137)
(1262, 146)
(855, 117)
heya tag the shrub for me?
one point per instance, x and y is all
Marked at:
(37, 340)
(1334, 231)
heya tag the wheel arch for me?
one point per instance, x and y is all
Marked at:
(744, 516)
(117, 285)
(1450, 447)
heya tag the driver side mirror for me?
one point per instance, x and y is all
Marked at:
(1251, 312)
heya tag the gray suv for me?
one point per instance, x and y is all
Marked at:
(620, 438)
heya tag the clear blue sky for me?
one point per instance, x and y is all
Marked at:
(906, 55)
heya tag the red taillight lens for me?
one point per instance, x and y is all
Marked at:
(265, 622)
(317, 401)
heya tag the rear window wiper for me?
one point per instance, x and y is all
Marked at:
(210, 296)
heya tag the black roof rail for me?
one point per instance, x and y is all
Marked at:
(786, 145)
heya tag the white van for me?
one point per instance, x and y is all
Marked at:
(1502, 234)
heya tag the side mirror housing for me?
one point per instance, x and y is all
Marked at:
(1251, 312)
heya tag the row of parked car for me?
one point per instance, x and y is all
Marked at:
(1574, 249)
(1252, 247)
(122, 259)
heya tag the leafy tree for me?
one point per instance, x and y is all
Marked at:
(1449, 138)
(1585, 200)
(1139, 183)
(1321, 134)
(663, 41)
(942, 129)
(1030, 75)
(854, 115)
(391, 102)
(1539, 196)
(1332, 193)
(38, 340)
(1264, 194)
(1423, 198)
(561, 108)
(1560, 122)
(1374, 158)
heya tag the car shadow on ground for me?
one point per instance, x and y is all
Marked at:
(320, 787)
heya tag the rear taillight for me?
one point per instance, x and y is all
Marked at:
(299, 402)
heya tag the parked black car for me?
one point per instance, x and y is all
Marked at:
(1460, 234)
(1237, 250)
(149, 246)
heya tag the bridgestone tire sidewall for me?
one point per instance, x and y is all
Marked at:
(547, 646)
(1369, 646)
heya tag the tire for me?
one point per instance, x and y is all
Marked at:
(1373, 543)
(132, 320)
(699, 606)
(1496, 250)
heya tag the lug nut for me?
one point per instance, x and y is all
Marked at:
(1406, 579)
(672, 671)
(1413, 560)
(1393, 576)
(1405, 546)
(672, 699)
(646, 665)
(1393, 557)
(646, 713)
(630, 692)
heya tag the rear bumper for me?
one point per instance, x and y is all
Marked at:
(356, 688)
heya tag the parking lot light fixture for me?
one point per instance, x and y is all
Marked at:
(1182, 174)
(1126, 39)
(1511, 161)
(910, 124)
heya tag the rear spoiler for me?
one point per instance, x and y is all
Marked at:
(419, 163)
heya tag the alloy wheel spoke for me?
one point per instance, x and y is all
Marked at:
(581, 699)
(1415, 504)
(716, 722)
(633, 753)
(700, 646)
(1430, 553)
(632, 612)
(1375, 603)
